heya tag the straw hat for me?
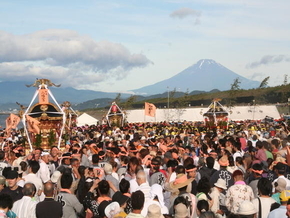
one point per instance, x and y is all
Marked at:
(154, 211)
(108, 168)
(280, 184)
(180, 181)
(223, 161)
(180, 211)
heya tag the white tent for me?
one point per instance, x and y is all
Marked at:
(86, 119)
(256, 112)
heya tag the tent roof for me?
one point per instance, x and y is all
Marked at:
(86, 119)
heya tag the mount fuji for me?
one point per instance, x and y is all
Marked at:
(205, 75)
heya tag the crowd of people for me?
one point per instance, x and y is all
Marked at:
(152, 170)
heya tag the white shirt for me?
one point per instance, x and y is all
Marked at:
(43, 172)
(133, 185)
(265, 206)
(25, 207)
(195, 160)
(238, 154)
(20, 183)
(145, 188)
(172, 177)
(215, 195)
(115, 175)
(216, 165)
(3, 164)
(32, 178)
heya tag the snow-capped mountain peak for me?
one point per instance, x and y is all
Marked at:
(205, 75)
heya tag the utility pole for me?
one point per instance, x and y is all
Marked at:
(167, 103)
(167, 97)
(254, 103)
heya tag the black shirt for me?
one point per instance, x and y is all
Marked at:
(49, 208)
(15, 194)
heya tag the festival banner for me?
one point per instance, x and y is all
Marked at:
(43, 96)
(32, 124)
(150, 109)
(12, 122)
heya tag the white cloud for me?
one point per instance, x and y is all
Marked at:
(269, 59)
(68, 77)
(65, 55)
(186, 12)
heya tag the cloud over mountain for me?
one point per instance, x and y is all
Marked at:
(64, 53)
(269, 59)
(186, 12)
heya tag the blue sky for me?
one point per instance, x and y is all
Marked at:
(127, 44)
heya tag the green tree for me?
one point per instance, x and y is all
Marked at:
(261, 98)
(184, 100)
(172, 93)
(236, 84)
(130, 101)
(264, 83)
(117, 100)
(38, 140)
(51, 138)
(285, 83)
(235, 87)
